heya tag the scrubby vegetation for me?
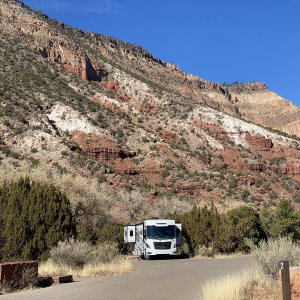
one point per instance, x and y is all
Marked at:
(207, 232)
(268, 254)
(261, 282)
(83, 259)
(44, 216)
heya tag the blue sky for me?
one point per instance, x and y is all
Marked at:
(219, 40)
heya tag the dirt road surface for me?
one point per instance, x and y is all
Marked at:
(174, 279)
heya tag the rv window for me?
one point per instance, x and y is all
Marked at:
(161, 232)
(130, 232)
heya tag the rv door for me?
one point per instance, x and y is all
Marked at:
(129, 234)
(178, 228)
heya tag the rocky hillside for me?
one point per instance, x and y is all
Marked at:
(83, 105)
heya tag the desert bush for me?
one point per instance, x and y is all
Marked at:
(268, 254)
(184, 249)
(105, 252)
(83, 259)
(77, 254)
(72, 253)
(205, 251)
(133, 205)
(169, 205)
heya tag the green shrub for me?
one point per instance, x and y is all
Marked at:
(200, 226)
(204, 228)
(284, 221)
(277, 160)
(232, 183)
(33, 218)
(238, 224)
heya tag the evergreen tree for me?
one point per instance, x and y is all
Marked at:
(35, 217)
(201, 226)
(284, 221)
(238, 224)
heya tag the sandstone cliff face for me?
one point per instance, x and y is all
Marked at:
(259, 143)
(40, 35)
(74, 60)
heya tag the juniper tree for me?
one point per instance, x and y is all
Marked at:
(35, 217)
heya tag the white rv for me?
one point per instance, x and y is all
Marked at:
(154, 237)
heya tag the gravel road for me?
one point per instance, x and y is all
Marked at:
(176, 279)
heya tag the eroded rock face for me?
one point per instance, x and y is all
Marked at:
(257, 167)
(48, 41)
(74, 60)
(259, 143)
(291, 169)
(125, 166)
(100, 147)
(161, 114)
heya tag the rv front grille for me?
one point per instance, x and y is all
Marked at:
(162, 245)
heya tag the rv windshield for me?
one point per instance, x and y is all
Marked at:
(161, 232)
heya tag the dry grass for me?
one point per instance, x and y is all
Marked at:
(243, 286)
(229, 287)
(116, 267)
(208, 252)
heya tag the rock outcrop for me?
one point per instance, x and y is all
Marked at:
(259, 143)
(291, 168)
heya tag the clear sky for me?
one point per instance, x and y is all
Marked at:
(218, 40)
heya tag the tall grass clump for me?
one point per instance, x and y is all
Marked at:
(230, 287)
(83, 259)
(268, 254)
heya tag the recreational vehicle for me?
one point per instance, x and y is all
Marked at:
(154, 237)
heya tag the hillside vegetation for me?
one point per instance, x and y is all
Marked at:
(127, 136)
